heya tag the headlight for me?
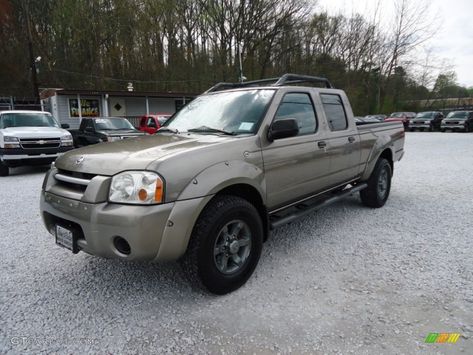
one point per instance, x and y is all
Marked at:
(11, 142)
(66, 140)
(137, 187)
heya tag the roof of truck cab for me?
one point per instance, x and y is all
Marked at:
(292, 87)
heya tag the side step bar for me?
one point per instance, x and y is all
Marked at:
(304, 209)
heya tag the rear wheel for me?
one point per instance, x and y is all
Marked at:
(4, 170)
(225, 245)
(379, 185)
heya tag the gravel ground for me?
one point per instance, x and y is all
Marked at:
(347, 279)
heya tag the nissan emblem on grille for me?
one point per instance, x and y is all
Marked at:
(79, 160)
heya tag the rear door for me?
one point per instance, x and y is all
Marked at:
(295, 166)
(342, 138)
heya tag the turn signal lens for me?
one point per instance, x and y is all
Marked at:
(158, 194)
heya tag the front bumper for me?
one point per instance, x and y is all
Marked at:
(155, 233)
(20, 155)
(452, 126)
(419, 125)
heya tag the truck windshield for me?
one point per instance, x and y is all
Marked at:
(105, 124)
(236, 112)
(425, 115)
(27, 119)
(457, 115)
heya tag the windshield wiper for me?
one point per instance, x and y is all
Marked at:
(167, 129)
(205, 129)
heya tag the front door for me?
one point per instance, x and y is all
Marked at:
(295, 166)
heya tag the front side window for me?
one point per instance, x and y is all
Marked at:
(299, 107)
(334, 111)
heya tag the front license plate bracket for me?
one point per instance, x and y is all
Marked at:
(66, 238)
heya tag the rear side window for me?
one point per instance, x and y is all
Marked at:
(334, 111)
(89, 124)
(151, 122)
(298, 106)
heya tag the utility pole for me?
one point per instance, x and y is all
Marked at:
(33, 60)
(241, 77)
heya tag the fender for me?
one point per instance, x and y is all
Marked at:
(197, 194)
(382, 143)
(221, 175)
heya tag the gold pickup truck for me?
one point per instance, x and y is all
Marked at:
(209, 186)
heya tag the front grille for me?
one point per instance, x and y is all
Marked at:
(74, 174)
(453, 122)
(35, 143)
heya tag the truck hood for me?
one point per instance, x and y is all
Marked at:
(460, 119)
(34, 132)
(131, 154)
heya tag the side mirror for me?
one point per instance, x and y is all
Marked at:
(283, 129)
(65, 126)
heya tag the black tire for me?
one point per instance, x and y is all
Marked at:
(442, 130)
(199, 263)
(374, 195)
(4, 170)
(412, 129)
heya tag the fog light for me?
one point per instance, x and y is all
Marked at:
(122, 245)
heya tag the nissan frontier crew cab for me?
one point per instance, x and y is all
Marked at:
(209, 186)
(30, 138)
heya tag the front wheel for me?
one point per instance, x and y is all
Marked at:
(4, 170)
(379, 185)
(225, 245)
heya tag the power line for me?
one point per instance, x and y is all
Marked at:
(125, 80)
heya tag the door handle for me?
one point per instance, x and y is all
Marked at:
(322, 144)
(351, 139)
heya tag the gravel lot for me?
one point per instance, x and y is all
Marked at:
(347, 279)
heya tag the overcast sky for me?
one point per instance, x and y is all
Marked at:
(453, 42)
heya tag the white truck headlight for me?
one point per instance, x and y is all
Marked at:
(137, 187)
(11, 142)
(66, 140)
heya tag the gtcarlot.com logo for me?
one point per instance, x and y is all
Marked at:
(43, 341)
(451, 338)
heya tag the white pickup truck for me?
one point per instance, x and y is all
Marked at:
(30, 138)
